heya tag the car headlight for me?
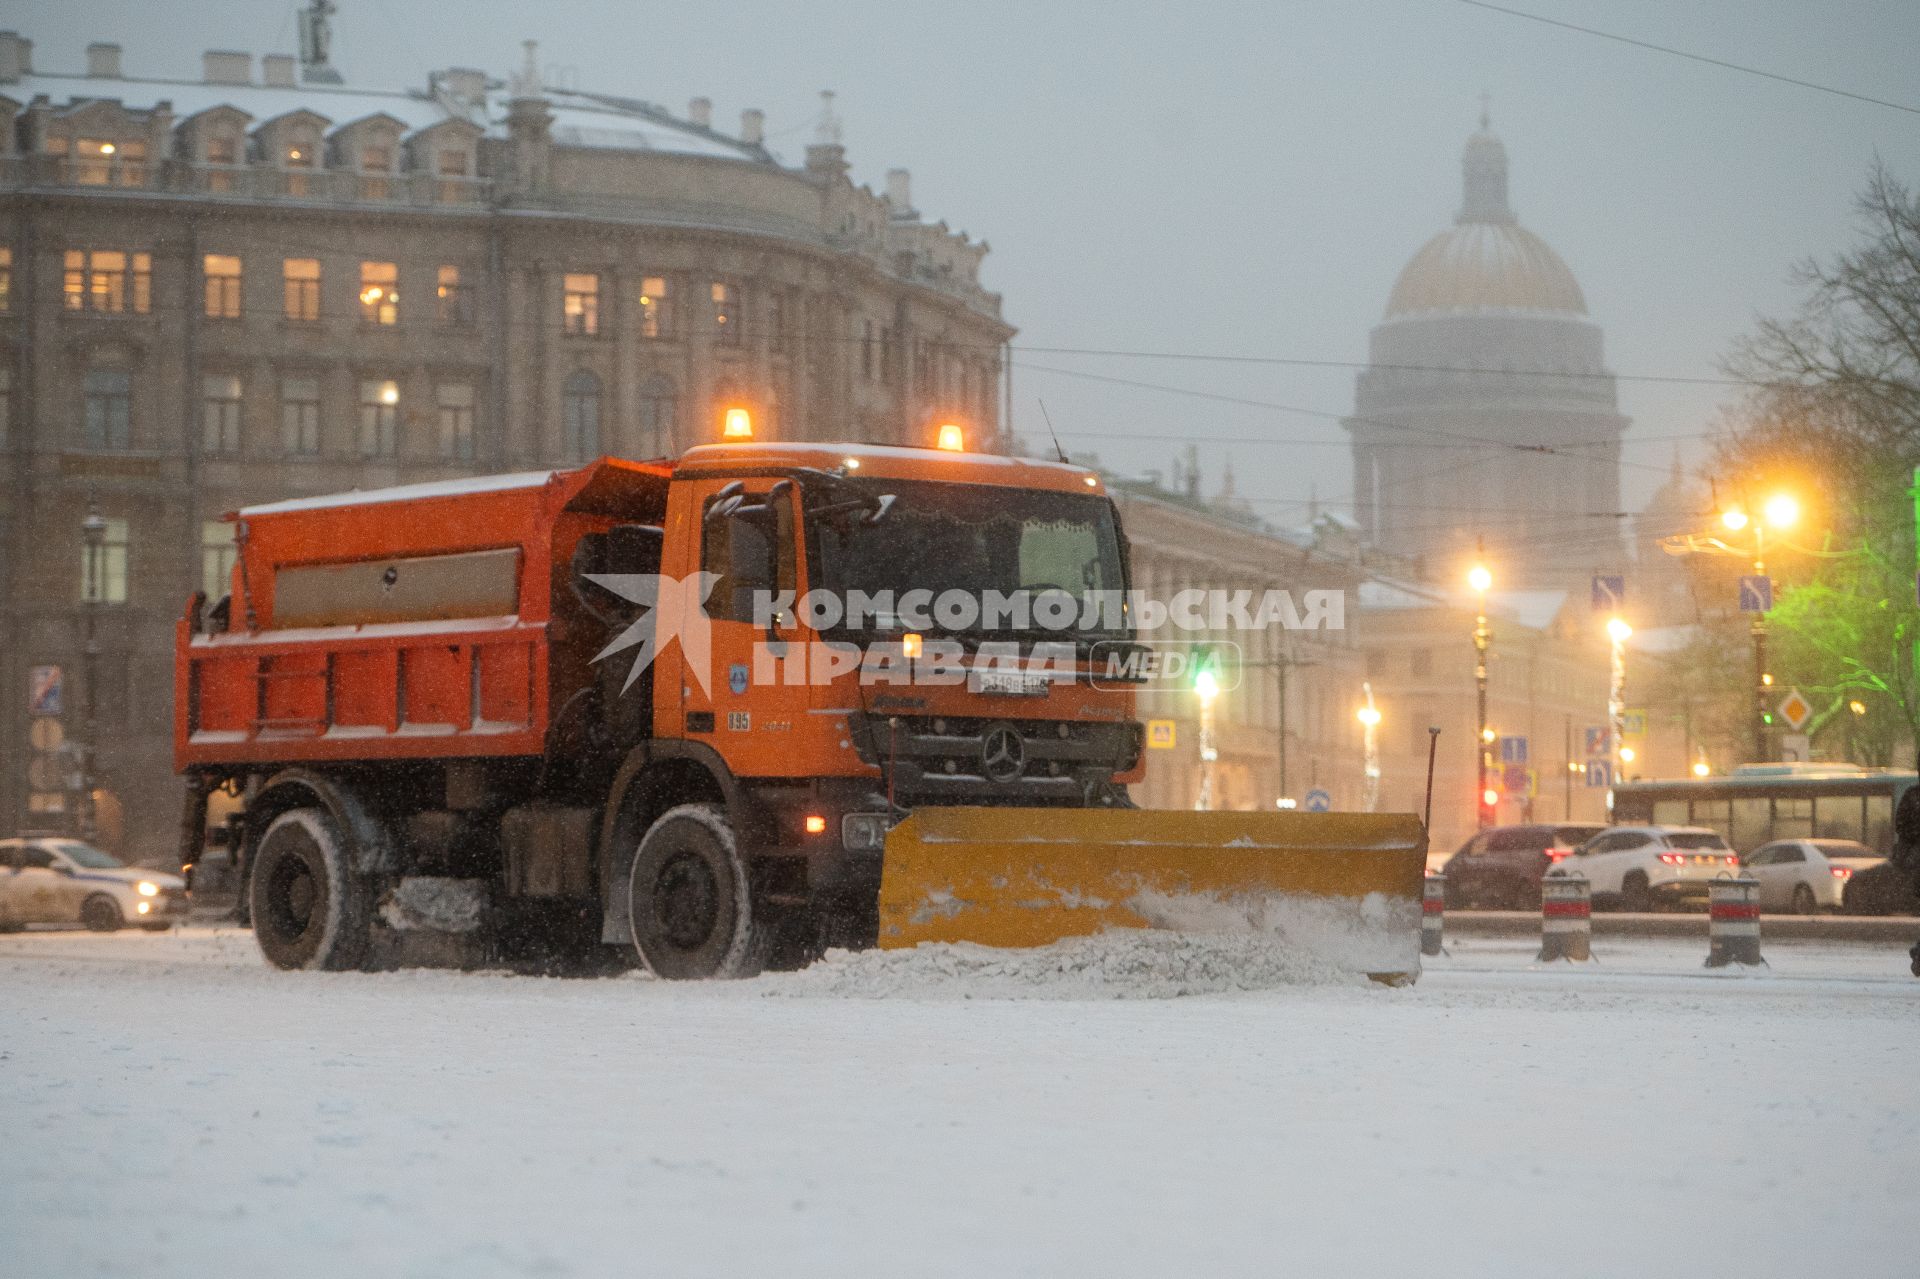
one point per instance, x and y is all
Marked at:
(863, 831)
(148, 888)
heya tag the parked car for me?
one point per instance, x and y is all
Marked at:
(1501, 868)
(1634, 867)
(1807, 876)
(63, 881)
(1879, 890)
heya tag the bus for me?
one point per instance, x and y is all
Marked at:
(1760, 803)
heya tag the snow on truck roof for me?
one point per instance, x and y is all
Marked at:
(403, 493)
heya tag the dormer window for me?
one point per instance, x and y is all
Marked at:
(99, 162)
(377, 164)
(223, 154)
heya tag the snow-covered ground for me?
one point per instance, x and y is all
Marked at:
(168, 1105)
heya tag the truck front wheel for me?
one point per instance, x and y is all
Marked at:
(310, 908)
(690, 899)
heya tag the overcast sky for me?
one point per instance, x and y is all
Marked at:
(1231, 179)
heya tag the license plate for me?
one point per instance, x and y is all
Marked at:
(1007, 683)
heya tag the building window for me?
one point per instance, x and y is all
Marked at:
(108, 281)
(109, 415)
(223, 154)
(726, 315)
(659, 414)
(379, 418)
(580, 305)
(298, 160)
(379, 293)
(102, 162)
(580, 415)
(455, 402)
(217, 554)
(302, 276)
(223, 286)
(656, 307)
(220, 413)
(376, 163)
(451, 300)
(300, 415)
(453, 171)
(6, 279)
(103, 573)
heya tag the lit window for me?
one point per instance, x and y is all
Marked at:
(302, 276)
(454, 171)
(451, 300)
(223, 286)
(103, 570)
(220, 413)
(298, 159)
(108, 281)
(726, 317)
(300, 415)
(580, 305)
(109, 409)
(580, 415)
(379, 293)
(656, 307)
(379, 418)
(455, 403)
(223, 155)
(217, 555)
(6, 280)
(376, 164)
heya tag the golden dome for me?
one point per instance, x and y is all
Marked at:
(1487, 261)
(1480, 266)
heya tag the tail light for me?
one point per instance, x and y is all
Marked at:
(1841, 872)
(1558, 854)
(1673, 859)
(1731, 859)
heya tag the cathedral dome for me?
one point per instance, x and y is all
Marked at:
(1486, 261)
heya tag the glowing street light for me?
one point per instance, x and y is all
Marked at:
(1206, 687)
(1702, 769)
(1369, 717)
(1734, 520)
(1618, 633)
(1782, 511)
(1779, 511)
(1480, 578)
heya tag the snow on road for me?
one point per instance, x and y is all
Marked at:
(168, 1105)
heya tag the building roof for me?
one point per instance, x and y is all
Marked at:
(579, 119)
(1487, 261)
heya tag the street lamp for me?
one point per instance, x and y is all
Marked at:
(1618, 633)
(1369, 717)
(93, 531)
(1779, 512)
(1480, 578)
(1207, 688)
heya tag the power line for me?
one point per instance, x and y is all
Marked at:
(1692, 57)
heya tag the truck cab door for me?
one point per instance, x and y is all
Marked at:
(749, 545)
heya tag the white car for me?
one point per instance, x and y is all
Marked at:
(1806, 876)
(1632, 867)
(63, 881)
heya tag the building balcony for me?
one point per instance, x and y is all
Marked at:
(243, 182)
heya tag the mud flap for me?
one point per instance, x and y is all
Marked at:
(1346, 886)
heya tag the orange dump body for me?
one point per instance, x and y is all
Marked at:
(412, 623)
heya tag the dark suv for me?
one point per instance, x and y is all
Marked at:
(1500, 868)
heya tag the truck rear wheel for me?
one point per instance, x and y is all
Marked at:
(310, 908)
(690, 899)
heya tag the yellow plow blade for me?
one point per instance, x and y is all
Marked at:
(1346, 885)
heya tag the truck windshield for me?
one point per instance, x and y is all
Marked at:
(972, 539)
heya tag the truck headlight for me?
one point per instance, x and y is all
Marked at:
(861, 832)
(148, 888)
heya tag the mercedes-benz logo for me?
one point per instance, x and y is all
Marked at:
(1003, 756)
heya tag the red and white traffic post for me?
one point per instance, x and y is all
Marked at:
(1733, 922)
(1566, 919)
(1433, 914)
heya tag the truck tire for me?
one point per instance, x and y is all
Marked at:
(310, 908)
(690, 899)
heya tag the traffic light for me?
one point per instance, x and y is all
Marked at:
(1489, 806)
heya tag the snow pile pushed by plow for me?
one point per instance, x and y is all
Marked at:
(1199, 945)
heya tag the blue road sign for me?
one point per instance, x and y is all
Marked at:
(1597, 743)
(1599, 774)
(1318, 801)
(1513, 750)
(44, 693)
(1756, 594)
(1609, 592)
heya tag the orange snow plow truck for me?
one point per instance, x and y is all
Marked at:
(702, 708)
